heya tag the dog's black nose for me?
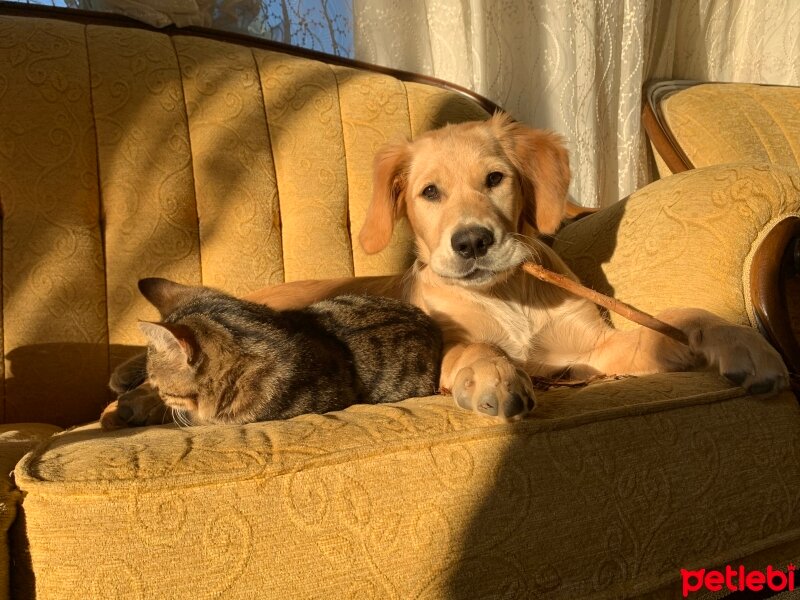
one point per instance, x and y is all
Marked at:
(472, 242)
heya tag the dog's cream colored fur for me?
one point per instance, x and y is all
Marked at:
(500, 324)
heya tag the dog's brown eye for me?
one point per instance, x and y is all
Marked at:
(493, 179)
(431, 192)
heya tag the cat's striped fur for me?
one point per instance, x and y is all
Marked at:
(218, 359)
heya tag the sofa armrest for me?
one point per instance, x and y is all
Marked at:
(720, 238)
(775, 289)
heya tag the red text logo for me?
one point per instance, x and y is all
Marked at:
(737, 580)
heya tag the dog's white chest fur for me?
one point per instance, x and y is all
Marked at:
(540, 328)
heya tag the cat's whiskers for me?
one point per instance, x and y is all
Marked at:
(179, 417)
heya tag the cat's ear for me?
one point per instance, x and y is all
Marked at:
(173, 339)
(164, 294)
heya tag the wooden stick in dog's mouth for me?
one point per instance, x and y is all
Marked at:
(612, 304)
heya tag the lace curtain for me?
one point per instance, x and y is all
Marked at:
(574, 66)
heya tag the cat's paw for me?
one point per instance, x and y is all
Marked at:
(139, 407)
(110, 419)
(742, 355)
(494, 387)
(129, 375)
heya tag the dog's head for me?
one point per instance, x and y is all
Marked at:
(468, 191)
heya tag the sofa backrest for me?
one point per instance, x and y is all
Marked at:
(127, 152)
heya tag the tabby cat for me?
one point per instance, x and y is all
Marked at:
(216, 359)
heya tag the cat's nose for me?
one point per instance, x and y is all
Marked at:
(472, 242)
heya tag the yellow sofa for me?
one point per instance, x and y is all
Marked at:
(127, 152)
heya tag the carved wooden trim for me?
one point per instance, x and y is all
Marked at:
(96, 18)
(656, 125)
(775, 289)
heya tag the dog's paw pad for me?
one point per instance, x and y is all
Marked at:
(744, 357)
(494, 387)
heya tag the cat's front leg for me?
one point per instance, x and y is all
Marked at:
(137, 408)
(483, 379)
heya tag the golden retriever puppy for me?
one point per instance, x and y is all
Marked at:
(476, 196)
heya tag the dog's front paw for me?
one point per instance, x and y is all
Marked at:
(494, 387)
(137, 408)
(742, 355)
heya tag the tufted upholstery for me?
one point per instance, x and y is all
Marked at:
(128, 153)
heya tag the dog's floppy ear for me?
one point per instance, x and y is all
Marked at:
(390, 174)
(543, 163)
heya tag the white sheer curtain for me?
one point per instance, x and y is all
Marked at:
(574, 66)
(738, 40)
(578, 66)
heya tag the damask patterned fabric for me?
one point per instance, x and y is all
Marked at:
(686, 240)
(723, 123)
(127, 153)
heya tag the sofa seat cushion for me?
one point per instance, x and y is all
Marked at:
(605, 489)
